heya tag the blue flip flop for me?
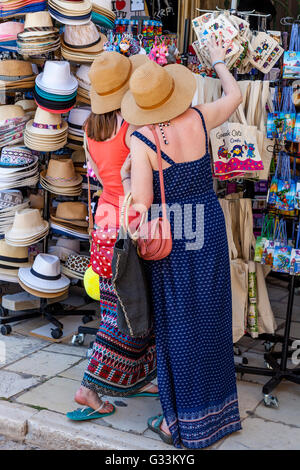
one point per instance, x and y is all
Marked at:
(157, 420)
(86, 414)
(144, 394)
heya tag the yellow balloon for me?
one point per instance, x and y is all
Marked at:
(91, 284)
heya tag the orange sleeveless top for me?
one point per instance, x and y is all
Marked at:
(109, 157)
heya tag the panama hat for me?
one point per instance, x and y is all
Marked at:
(158, 94)
(75, 266)
(46, 124)
(109, 76)
(44, 275)
(37, 24)
(73, 214)
(12, 256)
(57, 78)
(40, 294)
(28, 227)
(61, 173)
(65, 247)
(85, 37)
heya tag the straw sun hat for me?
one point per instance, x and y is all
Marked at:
(110, 75)
(158, 94)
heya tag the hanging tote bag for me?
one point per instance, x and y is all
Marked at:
(128, 278)
(272, 193)
(266, 234)
(282, 252)
(154, 237)
(291, 58)
(295, 256)
(288, 113)
(286, 190)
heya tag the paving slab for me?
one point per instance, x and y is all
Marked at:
(277, 293)
(11, 383)
(54, 431)
(295, 330)
(249, 395)
(134, 415)
(43, 364)
(16, 347)
(76, 372)
(13, 420)
(63, 348)
(288, 412)
(258, 434)
(56, 394)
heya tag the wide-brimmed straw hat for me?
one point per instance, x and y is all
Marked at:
(72, 214)
(82, 39)
(158, 94)
(110, 75)
(61, 173)
(28, 228)
(13, 256)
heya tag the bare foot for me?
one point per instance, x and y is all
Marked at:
(150, 388)
(86, 397)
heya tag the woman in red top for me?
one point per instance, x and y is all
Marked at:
(119, 365)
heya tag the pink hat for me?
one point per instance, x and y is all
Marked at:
(11, 29)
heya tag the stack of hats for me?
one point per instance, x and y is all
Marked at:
(11, 259)
(76, 120)
(47, 132)
(29, 107)
(82, 43)
(28, 228)
(84, 84)
(11, 201)
(102, 13)
(12, 124)
(39, 36)
(79, 161)
(8, 35)
(65, 247)
(13, 8)
(44, 278)
(16, 75)
(61, 178)
(56, 88)
(71, 220)
(18, 168)
(75, 266)
(70, 12)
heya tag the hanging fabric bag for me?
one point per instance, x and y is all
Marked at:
(272, 194)
(295, 256)
(282, 252)
(286, 190)
(266, 234)
(291, 58)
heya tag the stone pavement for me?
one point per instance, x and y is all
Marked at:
(38, 381)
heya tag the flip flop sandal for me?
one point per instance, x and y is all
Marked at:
(145, 393)
(156, 428)
(85, 414)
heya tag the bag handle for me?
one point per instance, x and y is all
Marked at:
(88, 156)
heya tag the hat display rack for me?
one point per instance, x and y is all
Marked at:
(42, 125)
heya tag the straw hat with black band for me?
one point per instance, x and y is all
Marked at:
(158, 94)
(110, 75)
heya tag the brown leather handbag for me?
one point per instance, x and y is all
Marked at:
(153, 238)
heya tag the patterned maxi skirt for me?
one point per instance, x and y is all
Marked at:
(119, 365)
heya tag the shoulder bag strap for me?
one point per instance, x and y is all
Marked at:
(87, 154)
(161, 173)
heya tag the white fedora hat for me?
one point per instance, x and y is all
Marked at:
(44, 275)
(78, 116)
(57, 77)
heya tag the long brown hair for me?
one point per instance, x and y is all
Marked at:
(101, 127)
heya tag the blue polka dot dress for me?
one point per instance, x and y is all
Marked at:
(191, 300)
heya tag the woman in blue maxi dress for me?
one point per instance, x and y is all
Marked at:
(190, 288)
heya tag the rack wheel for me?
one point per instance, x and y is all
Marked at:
(244, 361)
(6, 330)
(78, 339)
(268, 365)
(269, 346)
(87, 319)
(270, 401)
(56, 333)
(3, 311)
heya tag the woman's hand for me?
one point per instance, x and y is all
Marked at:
(126, 168)
(217, 48)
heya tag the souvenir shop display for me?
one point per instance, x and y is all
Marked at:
(65, 247)
(76, 120)
(47, 132)
(39, 36)
(13, 120)
(82, 43)
(44, 278)
(84, 84)
(70, 219)
(28, 228)
(18, 168)
(291, 58)
(61, 178)
(11, 201)
(16, 75)
(29, 107)
(15, 8)
(102, 13)
(75, 266)
(56, 88)
(8, 35)
(11, 259)
(70, 12)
